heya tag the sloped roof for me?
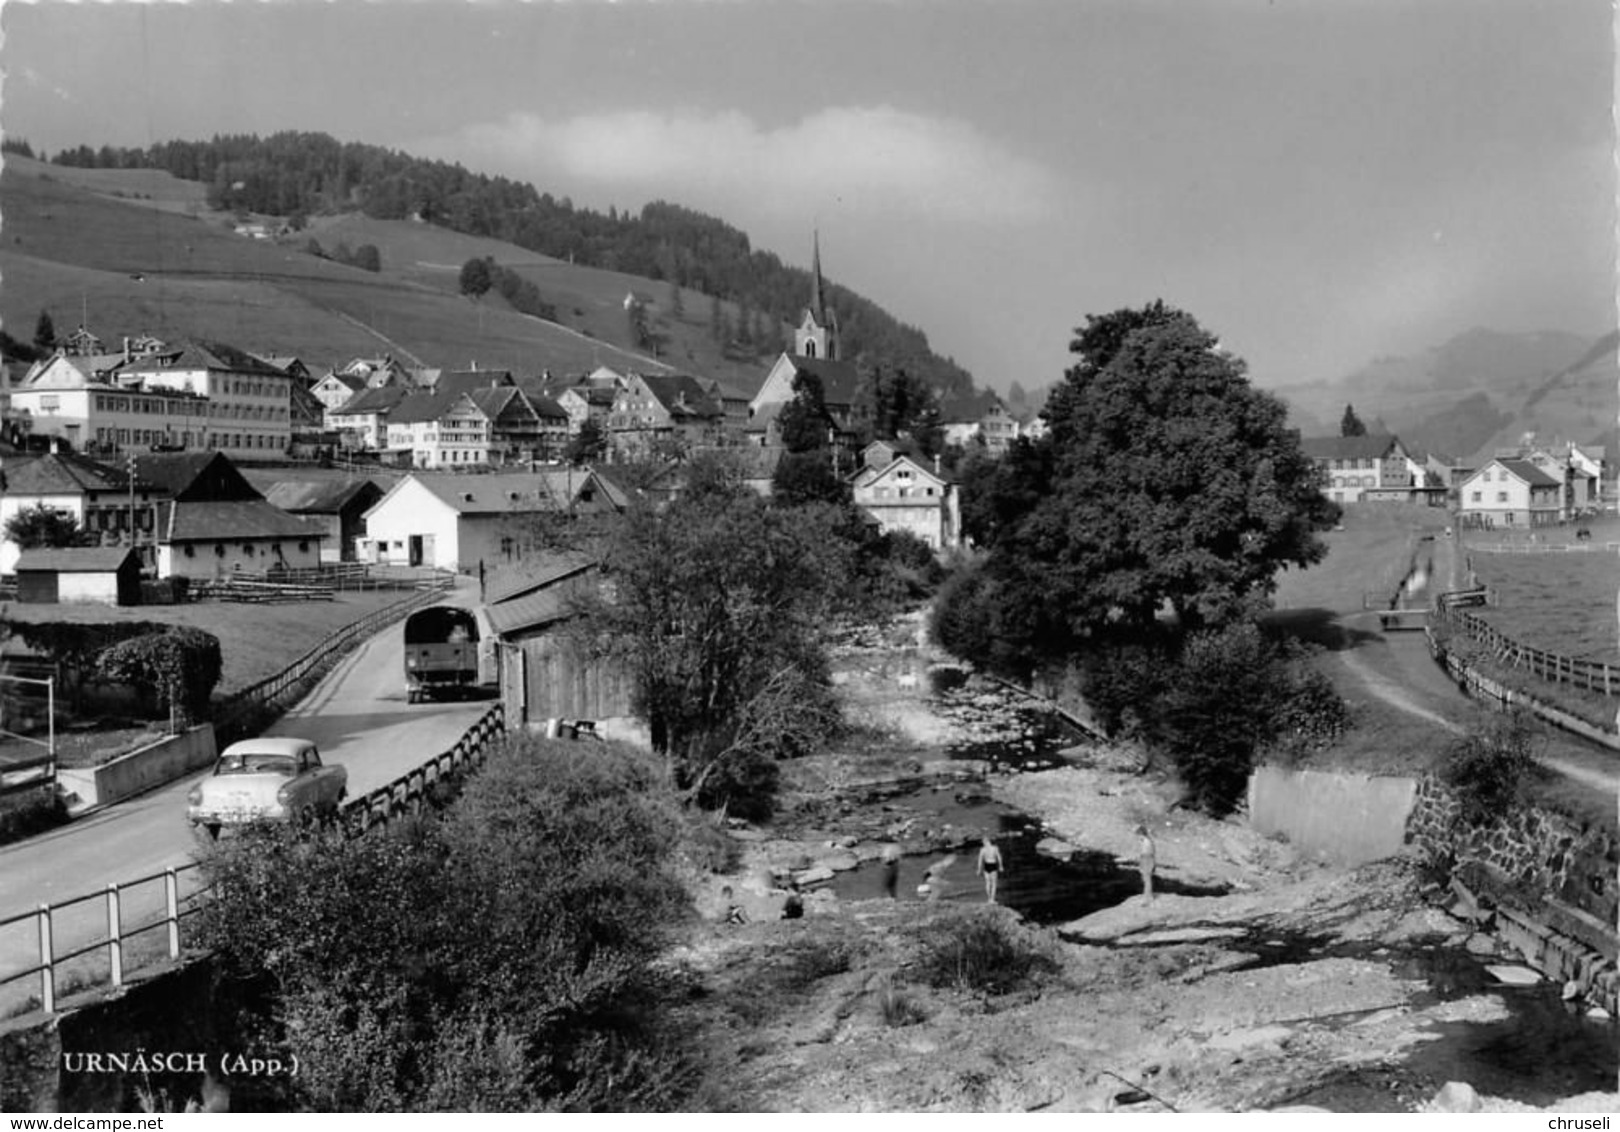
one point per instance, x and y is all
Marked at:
(510, 582)
(1529, 473)
(507, 493)
(619, 492)
(204, 354)
(195, 475)
(350, 381)
(424, 406)
(66, 473)
(682, 395)
(1370, 447)
(465, 381)
(530, 611)
(75, 559)
(237, 519)
(382, 399)
(320, 497)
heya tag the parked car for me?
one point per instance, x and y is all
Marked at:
(267, 779)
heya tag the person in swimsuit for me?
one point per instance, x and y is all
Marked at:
(990, 867)
(891, 870)
(1146, 859)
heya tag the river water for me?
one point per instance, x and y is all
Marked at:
(1542, 1051)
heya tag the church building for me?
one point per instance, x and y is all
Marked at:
(816, 353)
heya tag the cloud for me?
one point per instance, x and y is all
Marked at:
(867, 159)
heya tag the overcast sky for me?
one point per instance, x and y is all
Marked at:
(1319, 181)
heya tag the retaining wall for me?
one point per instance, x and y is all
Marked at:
(1345, 818)
(1552, 881)
(141, 770)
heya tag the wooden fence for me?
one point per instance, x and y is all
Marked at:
(1556, 667)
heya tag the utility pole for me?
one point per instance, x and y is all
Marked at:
(129, 468)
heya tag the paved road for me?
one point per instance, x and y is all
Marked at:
(357, 715)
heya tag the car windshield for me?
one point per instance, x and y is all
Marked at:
(252, 762)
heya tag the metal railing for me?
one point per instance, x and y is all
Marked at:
(406, 794)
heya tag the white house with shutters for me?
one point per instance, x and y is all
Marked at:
(902, 494)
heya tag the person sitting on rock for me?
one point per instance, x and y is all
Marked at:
(734, 911)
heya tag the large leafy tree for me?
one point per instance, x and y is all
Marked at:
(717, 607)
(804, 421)
(38, 527)
(1168, 482)
(475, 278)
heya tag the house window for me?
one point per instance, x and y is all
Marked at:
(219, 550)
(1477, 496)
(1501, 497)
(303, 546)
(191, 552)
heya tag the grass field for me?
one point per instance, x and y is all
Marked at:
(256, 641)
(1563, 603)
(1370, 554)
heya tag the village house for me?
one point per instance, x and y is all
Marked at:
(654, 411)
(995, 427)
(249, 404)
(336, 389)
(460, 523)
(361, 423)
(1577, 468)
(904, 495)
(104, 500)
(215, 523)
(1372, 468)
(88, 402)
(1509, 493)
(339, 506)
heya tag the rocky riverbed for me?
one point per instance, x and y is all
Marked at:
(1255, 979)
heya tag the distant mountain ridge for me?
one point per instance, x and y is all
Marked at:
(1478, 391)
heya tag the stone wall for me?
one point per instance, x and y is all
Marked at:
(1553, 881)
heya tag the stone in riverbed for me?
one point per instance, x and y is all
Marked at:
(1514, 976)
(1054, 847)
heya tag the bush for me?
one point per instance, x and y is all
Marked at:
(178, 667)
(499, 958)
(983, 953)
(1487, 767)
(28, 812)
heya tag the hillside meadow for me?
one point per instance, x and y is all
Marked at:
(137, 251)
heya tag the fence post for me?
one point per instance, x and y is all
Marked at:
(47, 962)
(115, 937)
(171, 902)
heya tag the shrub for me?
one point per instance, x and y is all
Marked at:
(179, 667)
(497, 958)
(1487, 767)
(897, 1007)
(982, 953)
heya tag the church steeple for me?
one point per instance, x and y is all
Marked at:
(817, 307)
(817, 335)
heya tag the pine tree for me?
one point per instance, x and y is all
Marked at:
(1351, 424)
(45, 332)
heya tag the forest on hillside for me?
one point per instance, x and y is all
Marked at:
(297, 175)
